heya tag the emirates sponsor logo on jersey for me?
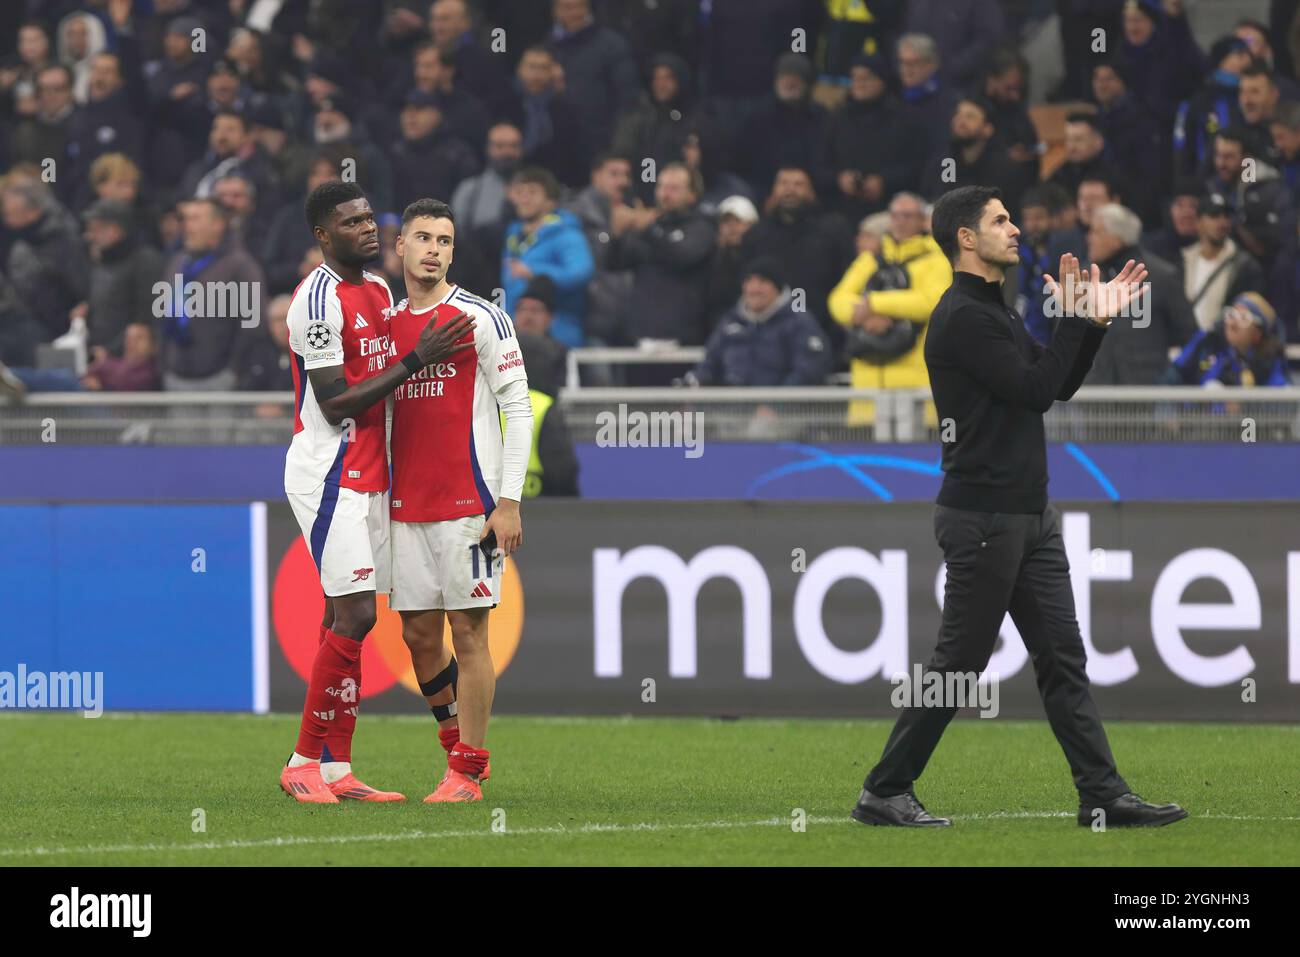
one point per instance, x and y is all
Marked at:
(439, 370)
(374, 346)
(377, 349)
(428, 382)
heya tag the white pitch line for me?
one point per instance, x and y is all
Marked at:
(593, 828)
(590, 828)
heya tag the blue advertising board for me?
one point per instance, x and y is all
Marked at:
(776, 471)
(162, 599)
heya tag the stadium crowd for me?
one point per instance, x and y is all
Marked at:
(753, 176)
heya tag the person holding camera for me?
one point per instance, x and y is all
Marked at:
(885, 300)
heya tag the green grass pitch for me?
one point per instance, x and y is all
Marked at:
(124, 789)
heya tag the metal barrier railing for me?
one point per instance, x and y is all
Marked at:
(692, 355)
(623, 356)
(830, 414)
(812, 414)
(149, 418)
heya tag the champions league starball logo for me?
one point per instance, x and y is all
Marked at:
(318, 335)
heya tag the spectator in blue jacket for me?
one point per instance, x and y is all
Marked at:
(1243, 348)
(1216, 106)
(762, 341)
(544, 241)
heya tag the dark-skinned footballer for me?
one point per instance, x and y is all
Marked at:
(336, 471)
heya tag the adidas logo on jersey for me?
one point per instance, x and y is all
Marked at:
(360, 323)
(482, 591)
(324, 715)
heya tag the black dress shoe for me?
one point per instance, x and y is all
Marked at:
(1129, 810)
(901, 810)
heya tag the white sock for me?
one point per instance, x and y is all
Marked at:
(298, 760)
(333, 771)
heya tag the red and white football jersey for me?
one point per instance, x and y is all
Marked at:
(446, 443)
(334, 322)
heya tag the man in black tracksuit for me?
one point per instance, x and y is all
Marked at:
(1000, 538)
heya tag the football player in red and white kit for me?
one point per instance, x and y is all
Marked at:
(457, 482)
(336, 470)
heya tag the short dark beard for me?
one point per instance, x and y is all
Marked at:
(998, 263)
(1216, 244)
(351, 258)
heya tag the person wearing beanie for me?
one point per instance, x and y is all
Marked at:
(1216, 106)
(1178, 220)
(176, 91)
(540, 289)
(1134, 140)
(766, 267)
(785, 130)
(552, 462)
(660, 128)
(872, 150)
(1006, 86)
(1243, 349)
(762, 340)
(1163, 65)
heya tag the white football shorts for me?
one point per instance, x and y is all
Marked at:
(347, 535)
(443, 565)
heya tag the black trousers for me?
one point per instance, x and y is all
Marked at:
(999, 562)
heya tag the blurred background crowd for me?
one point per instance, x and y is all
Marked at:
(753, 176)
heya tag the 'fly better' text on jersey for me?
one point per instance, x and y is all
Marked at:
(446, 442)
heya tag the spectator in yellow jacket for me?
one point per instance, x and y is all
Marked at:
(910, 295)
